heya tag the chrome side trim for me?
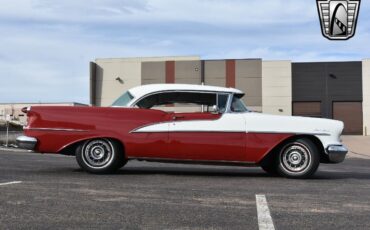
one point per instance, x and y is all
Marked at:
(190, 131)
(136, 130)
(190, 161)
(288, 132)
(58, 129)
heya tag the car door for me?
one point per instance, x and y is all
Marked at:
(207, 136)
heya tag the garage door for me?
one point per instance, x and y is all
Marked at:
(351, 114)
(307, 109)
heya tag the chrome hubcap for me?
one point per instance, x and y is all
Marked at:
(97, 153)
(295, 158)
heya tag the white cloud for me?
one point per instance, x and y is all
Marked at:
(236, 12)
(46, 45)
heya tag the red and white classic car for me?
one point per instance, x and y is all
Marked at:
(183, 124)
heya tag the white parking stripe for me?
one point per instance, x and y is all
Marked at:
(263, 213)
(11, 182)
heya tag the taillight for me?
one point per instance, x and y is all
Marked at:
(25, 109)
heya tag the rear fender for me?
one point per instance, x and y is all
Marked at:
(70, 148)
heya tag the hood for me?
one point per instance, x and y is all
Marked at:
(257, 122)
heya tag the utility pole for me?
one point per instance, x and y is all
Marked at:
(7, 130)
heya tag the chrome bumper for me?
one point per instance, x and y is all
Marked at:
(25, 142)
(336, 153)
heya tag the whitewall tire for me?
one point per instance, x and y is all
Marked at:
(100, 156)
(298, 159)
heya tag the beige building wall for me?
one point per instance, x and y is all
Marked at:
(277, 87)
(248, 78)
(215, 73)
(188, 72)
(366, 95)
(113, 76)
(153, 72)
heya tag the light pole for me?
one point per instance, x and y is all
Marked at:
(7, 130)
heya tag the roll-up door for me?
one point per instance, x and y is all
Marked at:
(351, 114)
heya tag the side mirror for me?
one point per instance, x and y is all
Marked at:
(215, 109)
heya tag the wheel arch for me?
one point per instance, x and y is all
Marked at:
(270, 156)
(70, 149)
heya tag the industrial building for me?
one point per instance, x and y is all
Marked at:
(338, 90)
(13, 111)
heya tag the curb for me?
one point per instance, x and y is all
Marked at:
(359, 155)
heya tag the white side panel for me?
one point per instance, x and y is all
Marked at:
(327, 130)
(227, 123)
(257, 122)
(159, 127)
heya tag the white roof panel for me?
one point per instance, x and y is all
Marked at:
(142, 90)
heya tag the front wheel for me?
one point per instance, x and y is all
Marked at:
(298, 159)
(100, 156)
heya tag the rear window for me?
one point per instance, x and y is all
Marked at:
(123, 100)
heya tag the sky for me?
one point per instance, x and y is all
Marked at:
(46, 45)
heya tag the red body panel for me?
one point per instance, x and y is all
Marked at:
(47, 124)
(58, 127)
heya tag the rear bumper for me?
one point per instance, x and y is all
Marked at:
(25, 142)
(336, 153)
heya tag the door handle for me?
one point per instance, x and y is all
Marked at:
(177, 117)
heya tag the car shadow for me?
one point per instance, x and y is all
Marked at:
(353, 168)
(189, 171)
(206, 172)
(247, 173)
(340, 175)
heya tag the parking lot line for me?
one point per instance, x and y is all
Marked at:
(263, 213)
(11, 182)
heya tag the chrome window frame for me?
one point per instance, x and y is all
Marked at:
(229, 106)
(228, 103)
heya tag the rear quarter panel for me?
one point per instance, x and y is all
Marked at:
(58, 127)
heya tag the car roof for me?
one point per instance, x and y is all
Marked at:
(143, 90)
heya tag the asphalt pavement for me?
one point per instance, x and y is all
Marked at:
(51, 192)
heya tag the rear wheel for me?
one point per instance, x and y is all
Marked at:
(100, 156)
(298, 159)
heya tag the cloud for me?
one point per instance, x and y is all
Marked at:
(46, 45)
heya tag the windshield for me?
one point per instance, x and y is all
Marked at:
(123, 100)
(237, 105)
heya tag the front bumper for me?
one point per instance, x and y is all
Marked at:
(336, 153)
(25, 142)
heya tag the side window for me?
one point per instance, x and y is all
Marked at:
(183, 102)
